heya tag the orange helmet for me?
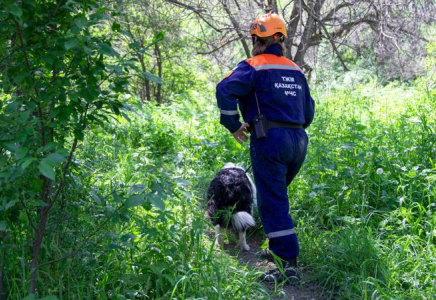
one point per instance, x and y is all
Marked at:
(268, 25)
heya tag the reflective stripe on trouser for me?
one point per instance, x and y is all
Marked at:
(276, 161)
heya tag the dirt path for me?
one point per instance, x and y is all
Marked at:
(302, 291)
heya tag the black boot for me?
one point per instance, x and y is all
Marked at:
(286, 270)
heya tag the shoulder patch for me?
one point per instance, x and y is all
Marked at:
(231, 72)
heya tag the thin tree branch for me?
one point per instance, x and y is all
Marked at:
(20, 35)
(192, 8)
(219, 47)
(308, 10)
(237, 27)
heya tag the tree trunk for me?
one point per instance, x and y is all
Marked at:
(159, 67)
(292, 28)
(39, 236)
(145, 83)
(271, 6)
(308, 32)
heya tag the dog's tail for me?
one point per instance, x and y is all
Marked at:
(242, 220)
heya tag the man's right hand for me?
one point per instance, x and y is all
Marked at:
(239, 135)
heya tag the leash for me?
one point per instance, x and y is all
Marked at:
(249, 167)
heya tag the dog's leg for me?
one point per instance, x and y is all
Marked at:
(243, 241)
(218, 235)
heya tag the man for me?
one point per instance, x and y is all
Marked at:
(275, 103)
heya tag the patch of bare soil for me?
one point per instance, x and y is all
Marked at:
(304, 290)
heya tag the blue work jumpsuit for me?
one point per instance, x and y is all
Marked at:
(283, 96)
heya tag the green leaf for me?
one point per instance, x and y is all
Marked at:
(48, 147)
(134, 45)
(3, 161)
(27, 161)
(134, 200)
(47, 170)
(127, 237)
(24, 116)
(3, 225)
(63, 152)
(87, 50)
(19, 78)
(126, 33)
(160, 36)
(10, 204)
(97, 198)
(80, 22)
(106, 49)
(157, 187)
(125, 116)
(117, 197)
(99, 16)
(150, 77)
(10, 146)
(78, 134)
(54, 159)
(157, 201)
(71, 43)
(183, 182)
(39, 203)
(22, 152)
(14, 10)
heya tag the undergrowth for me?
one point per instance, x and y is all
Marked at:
(134, 225)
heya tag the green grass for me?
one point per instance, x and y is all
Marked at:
(363, 203)
(365, 197)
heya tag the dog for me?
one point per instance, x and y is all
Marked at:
(232, 191)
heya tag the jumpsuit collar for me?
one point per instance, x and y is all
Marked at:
(275, 49)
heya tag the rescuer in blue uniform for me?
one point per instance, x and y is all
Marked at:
(274, 99)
